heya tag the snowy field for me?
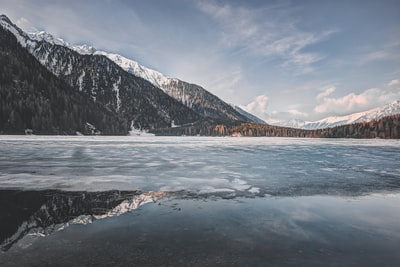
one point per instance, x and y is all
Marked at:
(209, 201)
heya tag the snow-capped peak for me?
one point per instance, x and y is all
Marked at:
(333, 121)
(133, 67)
(83, 49)
(22, 37)
(28, 39)
(44, 36)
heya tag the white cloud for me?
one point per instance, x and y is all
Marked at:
(352, 102)
(328, 91)
(258, 106)
(393, 82)
(346, 103)
(266, 33)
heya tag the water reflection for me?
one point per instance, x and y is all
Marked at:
(42, 212)
(184, 228)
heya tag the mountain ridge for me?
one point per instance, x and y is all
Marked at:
(140, 103)
(191, 95)
(34, 100)
(187, 93)
(391, 108)
(249, 115)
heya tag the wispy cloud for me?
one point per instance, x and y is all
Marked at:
(227, 80)
(375, 56)
(267, 33)
(328, 91)
(386, 52)
(26, 25)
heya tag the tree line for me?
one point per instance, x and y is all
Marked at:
(386, 128)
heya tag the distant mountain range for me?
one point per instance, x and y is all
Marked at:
(392, 108)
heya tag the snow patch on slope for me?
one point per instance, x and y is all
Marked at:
(156, 78)
(80, 80)
(116, 90)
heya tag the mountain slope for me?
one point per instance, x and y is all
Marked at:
(138, 101)
(392, 108)
(33, 98)
(191, 95)
(248, 115)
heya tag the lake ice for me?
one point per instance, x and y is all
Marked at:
(275, 166)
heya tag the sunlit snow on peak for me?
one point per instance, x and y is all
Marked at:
(133, 67)
(392, 108)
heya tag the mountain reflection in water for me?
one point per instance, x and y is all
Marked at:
(187, 229)
(42, 212)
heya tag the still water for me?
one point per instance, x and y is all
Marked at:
(196, 201)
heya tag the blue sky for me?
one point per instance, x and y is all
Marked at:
(278, 59)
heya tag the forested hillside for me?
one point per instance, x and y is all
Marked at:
(33, 98)
(138, 102)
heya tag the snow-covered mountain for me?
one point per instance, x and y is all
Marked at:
(28, 39)
(191, 95)
(44, 36)
(132, 99)
(392, 108)
(133, 67)
(292, 123)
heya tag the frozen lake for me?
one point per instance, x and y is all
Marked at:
(275, 166)
(210, 201)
